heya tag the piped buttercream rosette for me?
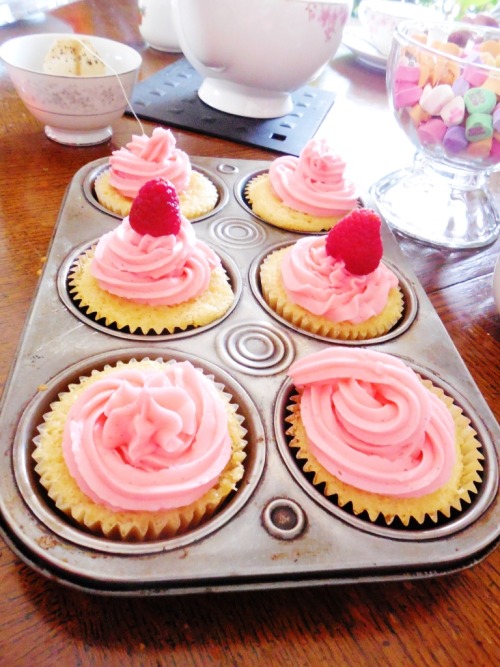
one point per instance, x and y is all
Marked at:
(141, 450)
(308, 193)
(151, 273)
(145, 158)
(317, 292)
(314, 183)
(380, 437)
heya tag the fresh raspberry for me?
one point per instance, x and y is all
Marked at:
(156, 210)
(356, 240)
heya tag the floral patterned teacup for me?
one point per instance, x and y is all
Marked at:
(381, 17)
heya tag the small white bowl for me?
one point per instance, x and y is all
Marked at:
(76, 110)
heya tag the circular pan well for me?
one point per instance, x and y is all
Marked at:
(240, 194)
(37, 499)
(409, 309)
(243, 201)
(93, 173)
(397, 531)
(98, 324)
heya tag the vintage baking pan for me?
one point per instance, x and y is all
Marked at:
(277, 529)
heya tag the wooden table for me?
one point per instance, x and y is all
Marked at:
(444, 621)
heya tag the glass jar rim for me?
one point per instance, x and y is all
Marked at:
(406, 29)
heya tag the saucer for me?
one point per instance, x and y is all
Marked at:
(27, 10)
(355, 40)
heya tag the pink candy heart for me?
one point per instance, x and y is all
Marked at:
(453, 111)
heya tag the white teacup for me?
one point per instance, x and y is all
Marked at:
(157, 25)
(381, 17)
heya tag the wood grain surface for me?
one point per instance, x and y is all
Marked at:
(450, 620)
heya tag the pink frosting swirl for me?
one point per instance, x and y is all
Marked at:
(147, 439)
(156, 270)
(320, 284)
(372, 423)
(145, 158)
(314, 182)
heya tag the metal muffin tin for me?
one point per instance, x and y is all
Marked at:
(277, 529)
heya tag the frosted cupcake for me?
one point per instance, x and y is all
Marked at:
(335, 285)
(305, 194)
(141, 450)
(151, 273)
(145, 158)
(380, 438)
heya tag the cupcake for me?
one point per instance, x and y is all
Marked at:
(305, 194)
(151, 273)
(380, 437)
(145, 158)
(335, 285)
(141, 450)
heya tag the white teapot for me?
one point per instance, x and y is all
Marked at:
(254, 53)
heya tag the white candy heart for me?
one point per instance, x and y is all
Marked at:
(453, 112)
(434, 99)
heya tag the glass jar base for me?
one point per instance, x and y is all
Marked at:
(435, 210)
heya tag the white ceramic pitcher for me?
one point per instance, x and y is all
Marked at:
(157, 25)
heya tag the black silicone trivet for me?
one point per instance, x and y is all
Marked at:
(171, 97)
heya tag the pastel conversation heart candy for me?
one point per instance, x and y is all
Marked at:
(460, 86)
(446, 47)
(495, 149)
(409, 73)
(418, 115)
(426, 70)
(474, 75)
(496, 118)
(453, 112)
(445, 71)
(453, 106)
(431, 132)
(480, 149)
(454, 140)
(480, 100)
(490, 46)
(434, 99)
(406, 94)
(492, 83)
(479, 126)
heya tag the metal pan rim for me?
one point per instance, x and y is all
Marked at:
(101, 165)
(470, 514)
(227, 262)
(409, 311)
(62, 528)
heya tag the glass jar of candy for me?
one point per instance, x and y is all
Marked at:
(443, 82)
